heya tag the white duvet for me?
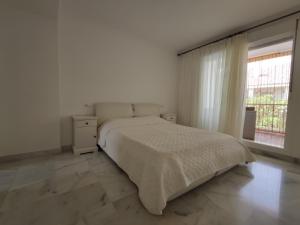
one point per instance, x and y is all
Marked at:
(165, 159)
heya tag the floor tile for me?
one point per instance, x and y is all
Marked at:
(23, 197)
(67, 160)
(6, 179)
(90, 189)
(130, 211)
(100, 215)
(2, 197)
(31, 174)
(118, 187)
(79, 167)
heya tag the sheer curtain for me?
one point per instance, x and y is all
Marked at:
(212, 84)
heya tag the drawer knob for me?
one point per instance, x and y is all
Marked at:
(95, 136)
(87, 123)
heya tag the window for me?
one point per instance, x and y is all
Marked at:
(268, 80)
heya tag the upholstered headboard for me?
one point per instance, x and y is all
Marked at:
(110, 110)
(147, 109)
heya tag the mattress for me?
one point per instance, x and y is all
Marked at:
(165, 159)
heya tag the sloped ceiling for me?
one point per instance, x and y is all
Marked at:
(47, 8)
(175, 24)
(179, 24)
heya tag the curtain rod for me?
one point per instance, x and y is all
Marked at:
(240, 32)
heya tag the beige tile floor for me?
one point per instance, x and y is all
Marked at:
(91, 190)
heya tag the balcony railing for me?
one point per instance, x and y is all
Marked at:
(270, 117)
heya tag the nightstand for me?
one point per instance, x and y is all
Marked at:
(84, 134)
(171, 117)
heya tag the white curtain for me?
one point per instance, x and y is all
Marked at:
(212, 85)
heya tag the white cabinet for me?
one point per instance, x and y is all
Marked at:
(84, 134)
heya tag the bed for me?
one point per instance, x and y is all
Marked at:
(164, 159)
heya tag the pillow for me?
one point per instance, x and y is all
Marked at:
(106, 111)
(147, 109)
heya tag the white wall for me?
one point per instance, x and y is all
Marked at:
(293, 120)
(29, 91)
(99, 62)
(53, 62)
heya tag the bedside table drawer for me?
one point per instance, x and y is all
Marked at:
(85, 137)
(85, 123)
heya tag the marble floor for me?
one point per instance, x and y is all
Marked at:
(90, 190)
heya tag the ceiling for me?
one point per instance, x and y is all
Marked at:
(275, 48)
(47, 8)
(176, 24)
(180, 24)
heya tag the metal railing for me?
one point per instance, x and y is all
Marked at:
(270, 117)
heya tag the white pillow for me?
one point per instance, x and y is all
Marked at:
(147, 109)
(107, 111)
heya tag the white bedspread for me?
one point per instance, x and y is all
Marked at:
(163, 159)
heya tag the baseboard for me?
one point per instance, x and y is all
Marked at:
(29, 155)
(276, 155)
